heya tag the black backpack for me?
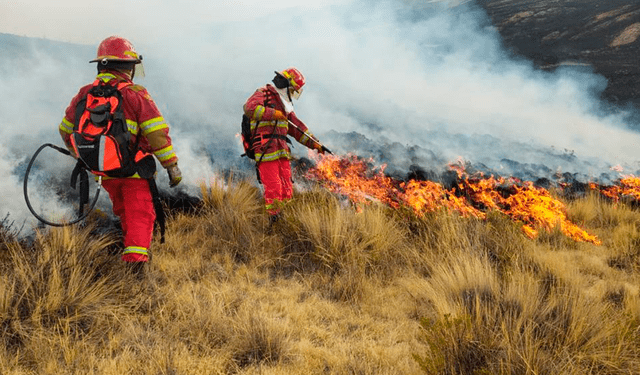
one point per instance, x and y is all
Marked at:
(247, 138)
(100, 137)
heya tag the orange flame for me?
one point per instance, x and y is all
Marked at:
(627, 186)
(534, 207)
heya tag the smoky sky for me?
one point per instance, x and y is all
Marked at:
(427, 76)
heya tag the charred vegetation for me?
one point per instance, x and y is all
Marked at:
(600, 35)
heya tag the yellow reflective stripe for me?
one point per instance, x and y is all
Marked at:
(135, 250)
(108, 57)
(135, 175)
(304, 139)
(154, 128)
(272, 155)
(106, 77)
(131, 53)
(153, 125)
(66, 126)
(133, 127)
(165, 153)
(259, 112)
(262, 124)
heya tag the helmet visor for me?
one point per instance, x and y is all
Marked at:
(295, 94)
(139, 70)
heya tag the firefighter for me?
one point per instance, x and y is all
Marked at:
(271, 112)
(131, 197)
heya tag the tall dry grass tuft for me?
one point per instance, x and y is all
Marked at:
(518, 327)
(234, 214)
(346, 247)
(259, 340)
(229, 224)
(441, 235)
(619, 225)
(65, 284)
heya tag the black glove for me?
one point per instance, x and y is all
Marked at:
(175, 176)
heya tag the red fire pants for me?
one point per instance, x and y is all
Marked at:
(276, 179)
(133, 204)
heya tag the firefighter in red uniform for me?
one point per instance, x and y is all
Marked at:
(131, 196)
(270, 109)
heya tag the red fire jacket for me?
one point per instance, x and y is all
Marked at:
(142, 114)
(260, 108)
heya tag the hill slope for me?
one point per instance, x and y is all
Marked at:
(603, 34)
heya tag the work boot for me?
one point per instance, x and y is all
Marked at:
(273, 219)
(137, 269)
(136, 264)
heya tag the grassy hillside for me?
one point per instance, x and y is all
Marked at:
(328, 290)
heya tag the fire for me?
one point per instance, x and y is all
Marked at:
(428, 196)
(532, 206)
(627, 186)
(354, 179)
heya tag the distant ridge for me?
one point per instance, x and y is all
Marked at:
(16, 48)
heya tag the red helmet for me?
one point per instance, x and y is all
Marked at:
(115, 48)
(295, 78)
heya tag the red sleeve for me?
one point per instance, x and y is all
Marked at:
(145, 120)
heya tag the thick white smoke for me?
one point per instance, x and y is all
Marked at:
(431, 80)
(428, 74)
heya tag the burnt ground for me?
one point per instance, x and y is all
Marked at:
(604, 34)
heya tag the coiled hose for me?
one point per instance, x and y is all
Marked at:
(26, 196)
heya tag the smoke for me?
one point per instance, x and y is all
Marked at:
(432, 75)
(410, 83)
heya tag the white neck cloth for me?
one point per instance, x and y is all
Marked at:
(288, 105)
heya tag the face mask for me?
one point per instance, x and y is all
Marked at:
(296, 94)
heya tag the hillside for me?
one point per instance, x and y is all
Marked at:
(19, 52)
(332, 288)
(601, 34)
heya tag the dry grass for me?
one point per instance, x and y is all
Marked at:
(327, 290)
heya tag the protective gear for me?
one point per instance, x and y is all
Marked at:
(279, 115)
(319, 147)
(270, 130)
(142, 117)
(261, 108)
(175, 176)
(295, 78)
(133, 204)
(285, 98)
(295, 94)
(100, 135)
(278, 187)
(116, 49)
(132, 197)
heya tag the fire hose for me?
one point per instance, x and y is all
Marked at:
(83, 182)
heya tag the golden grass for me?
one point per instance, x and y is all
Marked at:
(328, 289)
